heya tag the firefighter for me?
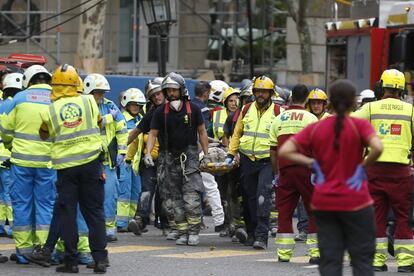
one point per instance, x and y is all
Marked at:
(179, 126)
(390, 181)
(12, 84)
(341, 203)
(132, 102)
(317, 103)
(150, 187)
(251, 139)
(114, 136)
(75, 155)
(33, 192)
(292, 181)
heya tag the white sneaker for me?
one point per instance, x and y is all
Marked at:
(193, 240)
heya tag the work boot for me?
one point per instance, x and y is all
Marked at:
(67, 268)
(134, 227)
(172, 235)
(193, 239)
(92, 264)
(241, 235)
(260, 244)
(314, 260)
(406, 269)
(3, 259)
(219, 228)
(111, 238)
(39, 256)
(382, 268)
(301, 237)
(100, 268)
(20, 259)
(273, 232)
(182, 240)
(249, 241)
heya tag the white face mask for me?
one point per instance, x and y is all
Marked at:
(175, 104)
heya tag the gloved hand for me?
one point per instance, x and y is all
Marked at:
(148, 160)
(275, 181)
(120, 159)
(355, 181)
(228, 160)
(114, 112)
(319, 177)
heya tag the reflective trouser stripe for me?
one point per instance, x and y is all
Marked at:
(83, 245)
(24, 240)
(312, 243)
(132, 209)
(381, 251)
(182, 227)
(404, 251)
(274, 215)
(193, 220)
(110, 224)
(285, 244)
(122, 208)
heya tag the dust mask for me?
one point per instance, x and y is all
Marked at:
(176, 104)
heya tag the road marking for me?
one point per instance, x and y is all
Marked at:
(209, 234)
(211, 254)
(298, 259)
(7, 246)
(136, 248)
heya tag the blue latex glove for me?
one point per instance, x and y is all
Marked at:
(114, 113)
(319, 177)
(355, 181)
(275, 181)
(120, 159)
(228, 160)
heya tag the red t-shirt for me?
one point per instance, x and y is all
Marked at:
(337, 165)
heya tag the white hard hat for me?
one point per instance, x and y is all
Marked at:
(366, 94)
(13, 80)
(31, 72)
(95, 82)
(217, 90)
(133, 95)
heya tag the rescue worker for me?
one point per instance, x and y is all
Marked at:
(12, 84)
(133, 100)
(251, 139)
(317, 103)
(231, 104)
(75, 155)
(150, 187)
(33, 192)
(341, 203)
(177, 125)
(390, 181)
(202, 92)
(292, 181)
(366, 96)
(114, 136)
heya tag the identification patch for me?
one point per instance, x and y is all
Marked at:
(395, 129)
(71, 115)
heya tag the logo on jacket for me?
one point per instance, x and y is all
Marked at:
(393, 129)
(71, 115)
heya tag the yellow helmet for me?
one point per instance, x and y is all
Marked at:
(80, 87)
(393, 78)
(65, 75)
(230, 91)
(318, 94)
(263, 82)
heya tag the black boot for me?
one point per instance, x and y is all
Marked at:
(67, 268)
(40, 256)
(100, 267)
(3, 259)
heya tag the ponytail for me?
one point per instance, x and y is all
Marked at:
(340, 116)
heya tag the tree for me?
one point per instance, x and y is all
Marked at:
(90, 38)
(298, 11)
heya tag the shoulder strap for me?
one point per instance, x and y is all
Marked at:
(245, 109)
(188, 111)
(236, 116)
(276, 109)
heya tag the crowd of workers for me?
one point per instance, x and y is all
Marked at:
(77, 169)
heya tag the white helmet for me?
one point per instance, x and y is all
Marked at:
(13, 80)
(133, 95)
(366, 94)
(95, 82)
(217, 90)
(32, 71)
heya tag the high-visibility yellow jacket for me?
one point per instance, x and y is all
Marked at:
(219, 119)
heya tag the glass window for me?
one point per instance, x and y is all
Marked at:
(126, 24)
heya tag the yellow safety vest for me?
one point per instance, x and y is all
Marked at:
(255, 140)
(392, 120)
(74, 128)
(219, 119)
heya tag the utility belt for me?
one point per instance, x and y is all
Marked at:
(187, 160)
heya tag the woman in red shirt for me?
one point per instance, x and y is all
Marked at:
(341, 201)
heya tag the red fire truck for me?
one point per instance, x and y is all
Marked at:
(361, 49)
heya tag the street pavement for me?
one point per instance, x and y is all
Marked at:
(151, 254)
